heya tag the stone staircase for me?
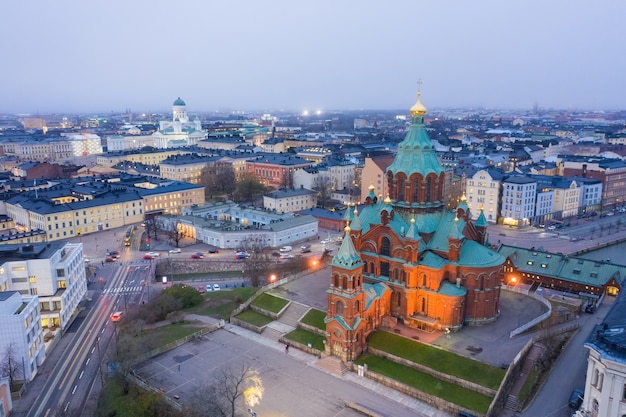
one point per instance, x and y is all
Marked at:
(536, 350)
(333, 365)
(512, 403)
(293, 313)
(286, 323)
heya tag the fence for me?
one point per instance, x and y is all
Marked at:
(534, 321)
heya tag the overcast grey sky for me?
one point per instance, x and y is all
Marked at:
(102, 56)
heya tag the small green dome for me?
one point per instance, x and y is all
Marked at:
(179, 102)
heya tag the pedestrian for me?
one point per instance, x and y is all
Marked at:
(102, 263)
(287, 348)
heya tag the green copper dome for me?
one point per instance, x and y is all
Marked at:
(179, 102)
(416, 153)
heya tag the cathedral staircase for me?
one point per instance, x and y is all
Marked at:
(287, 322)
(333, 365)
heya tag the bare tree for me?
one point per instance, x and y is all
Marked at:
(218, 178)
(249, 188)
(151, 225)
(174, 231)
(287, 180)
(323, 188)
(11, 364)
(257, 265)
(229, 387)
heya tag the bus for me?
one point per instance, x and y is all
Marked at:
(129, 235)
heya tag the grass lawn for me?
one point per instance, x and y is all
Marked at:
(437, 359)
(163, 335)
(113, 401)
(220, 304)
(305, 337)
(315, 318)
(427, 383)
(255, 318)
(205, 275)
(270, 303)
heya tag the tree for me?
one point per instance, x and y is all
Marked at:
(323, 188)
(249, 188)
(151, 226)
(228, 388)
(287, 180)
(257, 265)
(174, 231)
(218, 177)
(11, 364)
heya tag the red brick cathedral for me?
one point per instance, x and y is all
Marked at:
(408, 259)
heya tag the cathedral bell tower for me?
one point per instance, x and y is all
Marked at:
(416, 177)
(346, 303)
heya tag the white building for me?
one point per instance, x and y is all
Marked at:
(545, 205)
(566, 198)
(21, 331)
(55, 272)
(483, 193)
(518, 200)
(590, 194)
(287, 201)
(180, 131)
(605, 383)
(125, 143)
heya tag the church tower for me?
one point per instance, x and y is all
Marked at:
(416, 178)
(345, 324)
(179, 111)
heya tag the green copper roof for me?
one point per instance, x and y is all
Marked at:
(374, 292)
(413, 232)
(347, 257)
(347, 216)
(476, 255)
(481, 221)
(416, 153)
(451, 289)
(455, 233)
(356, 223)
(179, 102)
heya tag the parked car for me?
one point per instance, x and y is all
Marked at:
(286, 256)
(286, 249)
(216, 287)
(176, 250)
(201, 289)
(576, 398)
(117, 316)
(553, 227)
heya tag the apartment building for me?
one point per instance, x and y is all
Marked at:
(483, 193)
(284, 201)
(276, 170)
(373, 174)
(518, 200)
(20, 326)
(566, 198)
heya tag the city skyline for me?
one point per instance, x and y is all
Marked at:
(283, 56)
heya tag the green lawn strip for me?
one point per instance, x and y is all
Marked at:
(528, 389)
(305, 337)
(438, 359)
(426, 383)
(163, 335)
(270, 303)
(315, 318)
(113, 401)
(255, 318)
(222, 303)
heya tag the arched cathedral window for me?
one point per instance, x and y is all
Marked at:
(385, 246)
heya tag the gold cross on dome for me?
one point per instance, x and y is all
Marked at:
(419, 85)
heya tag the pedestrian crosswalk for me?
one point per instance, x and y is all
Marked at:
(122, 290)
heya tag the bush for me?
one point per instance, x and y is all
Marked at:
(187, 295)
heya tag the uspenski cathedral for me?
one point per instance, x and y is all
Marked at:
(407, 259)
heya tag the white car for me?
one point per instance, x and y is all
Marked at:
(551, 227)
(175, 250)
(154, 254)
(216, 287)
(286, 256)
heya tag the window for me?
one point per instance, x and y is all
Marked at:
(384, 269)
(339, 308)
(385, 246)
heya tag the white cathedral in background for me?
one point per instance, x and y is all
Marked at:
(180, 131)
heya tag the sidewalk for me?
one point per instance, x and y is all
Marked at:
(422, 409)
